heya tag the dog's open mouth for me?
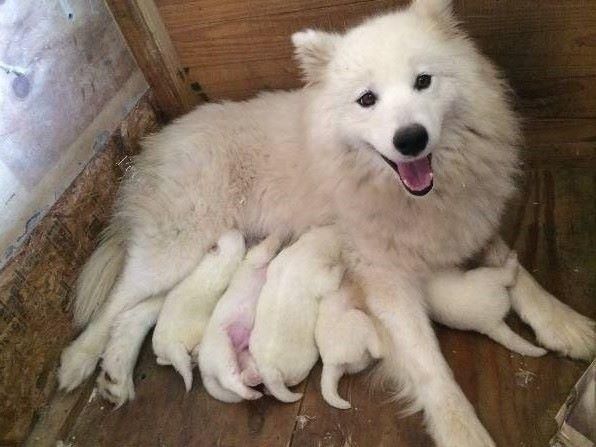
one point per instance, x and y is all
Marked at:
(416, 176)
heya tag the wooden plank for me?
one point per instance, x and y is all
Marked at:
(233, 48)
(560, 143)
(36, 287)
(163, 414)
(147, 37)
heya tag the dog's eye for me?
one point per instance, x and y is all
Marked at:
(423, 81)
(367, 99)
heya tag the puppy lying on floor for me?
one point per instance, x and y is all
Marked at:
(282, 342)
(227, 368)
(187, 308)
(478, 300)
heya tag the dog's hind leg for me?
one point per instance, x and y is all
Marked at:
(329, 382)
(557, 326)
(504, 335)
(413, 359)
(115, 382)
(274, 382)
(216, 391)
(146, 273)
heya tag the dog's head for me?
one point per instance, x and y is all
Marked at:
(390, 84)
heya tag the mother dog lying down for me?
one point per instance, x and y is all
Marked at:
(403, 137)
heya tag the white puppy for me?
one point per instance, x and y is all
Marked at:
(226, 366)
(347, 340)
(283, 339)
(189, 305)
(479, 300)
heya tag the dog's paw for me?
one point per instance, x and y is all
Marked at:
(567, 332)
(453, 423)
(114, 388)
(77, 362)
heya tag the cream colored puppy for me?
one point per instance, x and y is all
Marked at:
(347, 340)
(479, 300)
(227, 368)
(189, 305)
(283, 338)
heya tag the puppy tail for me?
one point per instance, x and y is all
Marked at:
(504, 335)
(99, 273)
(274, 382)
(329, 383)
(180, 359)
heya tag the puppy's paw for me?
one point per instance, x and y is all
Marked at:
(77, 362)
(114, 388)
(567, 332)
(454, 424)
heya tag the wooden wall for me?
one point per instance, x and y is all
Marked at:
(233, 48)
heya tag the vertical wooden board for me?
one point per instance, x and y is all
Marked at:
(147, 37)
(162, 414)
(36, 287)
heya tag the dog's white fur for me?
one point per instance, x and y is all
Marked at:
(347, 340)
(289, 160)
(187, 308)
(115, 382)
(225, 364)
(283, 338)
(478, 300)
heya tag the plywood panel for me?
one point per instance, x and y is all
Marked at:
(36, 286)
(235, 48)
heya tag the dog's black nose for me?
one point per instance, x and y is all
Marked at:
(411, 140)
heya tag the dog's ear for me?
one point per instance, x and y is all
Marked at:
(440, 9)
(314, 50)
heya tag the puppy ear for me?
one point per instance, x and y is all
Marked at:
(314, 50)
(440, 9)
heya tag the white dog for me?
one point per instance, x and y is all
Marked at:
(479, 300)
(347, 340)
(115, 382)
(283, 338)
(404, 136)
(227, 369)
(189, 305)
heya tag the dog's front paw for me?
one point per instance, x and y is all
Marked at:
(114, 388)
(76, 364)
(453, 423)
(567, 332)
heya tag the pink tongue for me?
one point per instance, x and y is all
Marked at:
(416, 175)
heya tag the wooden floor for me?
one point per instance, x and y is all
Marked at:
(516, 398)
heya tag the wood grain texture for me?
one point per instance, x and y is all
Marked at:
(551, 225)
(36, 286)
(148, 39)
(234, 48)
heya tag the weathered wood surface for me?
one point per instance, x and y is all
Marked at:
(36, 286)
(147, 37)
(552, 227)
(234, 48)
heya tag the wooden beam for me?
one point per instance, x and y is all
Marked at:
(150, 43)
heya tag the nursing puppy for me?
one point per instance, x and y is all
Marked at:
(347, 339)
(189, 305)
(403, 136)
(226, 366)
(282, 342)
(478, 300)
